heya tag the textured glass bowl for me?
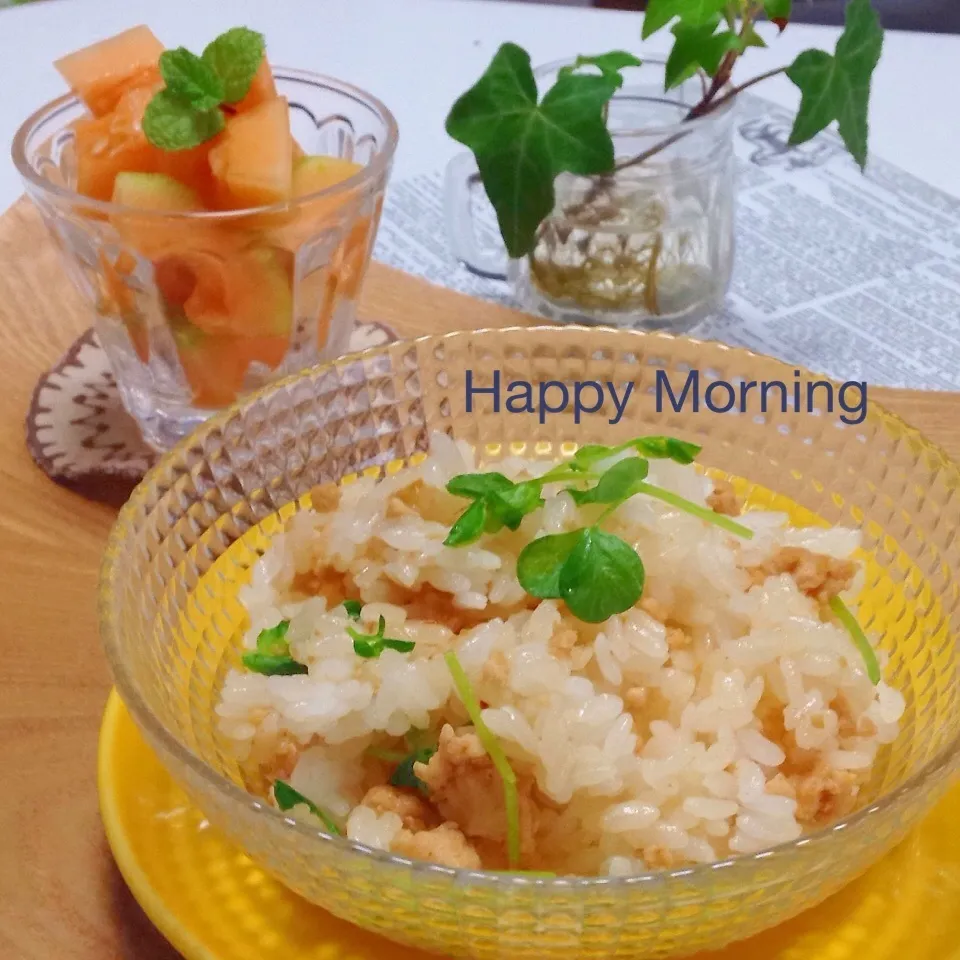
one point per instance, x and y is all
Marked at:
(169, 620)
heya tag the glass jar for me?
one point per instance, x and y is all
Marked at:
(196, 308)
(649, 246)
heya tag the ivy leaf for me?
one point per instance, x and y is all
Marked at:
(235, 57)
(602, 576)
(607, 63)
(541, 560)
(778, 12)
(692, 13)
(838, 87)
(751, 38)
(698, 46)
(521, 145)
(191, 79)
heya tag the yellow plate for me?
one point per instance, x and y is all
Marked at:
(212, 903)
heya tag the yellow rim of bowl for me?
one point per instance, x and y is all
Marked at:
(127, 862)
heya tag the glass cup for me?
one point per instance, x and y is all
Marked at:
(649, 246)
(195, 309)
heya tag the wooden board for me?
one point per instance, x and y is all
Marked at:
(60, 894)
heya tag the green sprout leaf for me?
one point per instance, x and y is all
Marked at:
(272, 654)
(273, 665)
(695, 510)
(838, 87)
(618, 483)
(273, 640)
(692, 13)
(474, 485)
(353, 608)
(521, 145)
(698, 47)
(235, 57)
(602, 576)
(491, 744)
(849, 621)
(172, 123)
(511, 506)
(191, 79)
(404, 775)
(371, 645)
(469, 526)
(497, 503)
(654, 448)
(287, 798)
(607, 63)
(540, 563)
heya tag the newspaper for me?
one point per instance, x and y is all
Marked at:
(856, 276)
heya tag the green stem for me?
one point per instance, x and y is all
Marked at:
(849, 621)
(492, 745)
(730, 15)
(562, 475)
(288, 797)
(703, 513)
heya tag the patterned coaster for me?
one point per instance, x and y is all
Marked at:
(79, 434)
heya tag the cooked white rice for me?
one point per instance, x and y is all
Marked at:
(720, 716)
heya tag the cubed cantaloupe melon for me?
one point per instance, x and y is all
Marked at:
(112, 144)
(101, 73)
(253, 160)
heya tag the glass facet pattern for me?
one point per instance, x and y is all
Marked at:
(168, 618)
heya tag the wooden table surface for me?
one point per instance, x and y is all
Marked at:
(60, 894)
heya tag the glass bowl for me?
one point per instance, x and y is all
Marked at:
(170, 623)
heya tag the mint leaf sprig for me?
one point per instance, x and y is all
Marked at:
(522, 142)
(189, 110)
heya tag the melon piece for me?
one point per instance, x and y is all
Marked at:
(215, 364)
(253, 162)
(248, 292)
(313, 174)
(101, 73)
(191, 167)
(154, 191)
(262, 88)
(147, 194)
(117, 299)
(112, 144)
